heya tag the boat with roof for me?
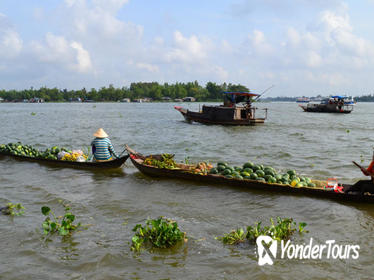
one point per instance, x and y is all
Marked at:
(237, 109)
(333, 104)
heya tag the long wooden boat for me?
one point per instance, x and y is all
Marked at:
(236, 110)
(116, 163)
(184, 172)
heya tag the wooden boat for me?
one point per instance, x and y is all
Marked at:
(184, 172)
(116, 163)
(236, 110)
(334, 104)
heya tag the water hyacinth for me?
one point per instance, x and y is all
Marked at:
(283, 229)
(159, 233)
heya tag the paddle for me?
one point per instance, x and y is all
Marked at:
(122, 153)
(364, 170)
(359, 166)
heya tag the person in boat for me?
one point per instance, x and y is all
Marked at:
(364, 186)
(102, 148)
(340, 104)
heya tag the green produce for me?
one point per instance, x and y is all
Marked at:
(237, 168)
(213, 171)
(166, 161)
(221, 167)
(227, 171)
(256, 167)
(243, 173)
(235, 173)
(19, 149)
(248, 170)
(260, 173)
(248, 165)
(222, 163)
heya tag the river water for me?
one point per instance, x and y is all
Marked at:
(113, 202)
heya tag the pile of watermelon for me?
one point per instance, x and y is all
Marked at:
(251, 171)
(29, 151)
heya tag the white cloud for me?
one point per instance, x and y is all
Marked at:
(313, 59)
(148, 67)
(82, 56)
(188, 50)
(11, 43)
(91, 44)
(59, 51)
(259, 43)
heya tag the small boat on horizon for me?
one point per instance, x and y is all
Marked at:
(333, 104)
(303, 100)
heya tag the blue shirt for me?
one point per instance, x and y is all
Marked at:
(103, 149)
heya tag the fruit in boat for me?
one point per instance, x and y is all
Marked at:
(227, 171)
(221, 167)
(235, 173)
(248, 170)
(213, 171)
(243, 173)
(248, 165)
(237, 168)
(260, 173)
(254, 176)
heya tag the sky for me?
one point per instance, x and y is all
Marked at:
(302, 47)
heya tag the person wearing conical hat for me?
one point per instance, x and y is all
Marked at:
(102, 148)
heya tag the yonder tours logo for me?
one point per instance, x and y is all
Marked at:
(267, 249)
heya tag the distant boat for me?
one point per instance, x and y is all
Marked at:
(349, 101)
(303, 100)
(334, 104)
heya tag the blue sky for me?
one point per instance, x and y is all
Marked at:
(303, 47)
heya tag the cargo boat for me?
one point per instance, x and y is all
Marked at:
(334, 104)
(237, 109)
(184, 172)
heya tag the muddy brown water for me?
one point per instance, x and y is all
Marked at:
(113, 202)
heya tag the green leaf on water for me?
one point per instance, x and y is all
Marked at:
(45, 210)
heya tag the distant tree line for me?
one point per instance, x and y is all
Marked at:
(279, 99)
(154, 90)
(210, 92)
(365, 98)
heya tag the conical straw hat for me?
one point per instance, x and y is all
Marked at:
(100, 133)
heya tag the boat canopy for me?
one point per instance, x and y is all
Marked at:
(239, 96)
(241, 93)
(339, 97)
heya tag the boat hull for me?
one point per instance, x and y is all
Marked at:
(249, 184)
(317, 108)
(116, 163)
(206, 119)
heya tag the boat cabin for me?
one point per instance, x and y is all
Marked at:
(237, 109)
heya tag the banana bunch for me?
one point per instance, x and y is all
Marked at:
(73, 156)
